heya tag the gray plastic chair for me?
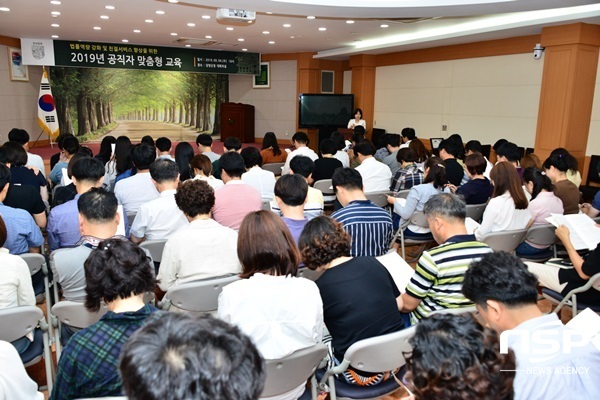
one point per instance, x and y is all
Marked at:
(37, 262)
(325, 186)
(418, 219)
(288, 373)
(74, 315)
(18, 322)
(570, 300)
(198, 296)
(504, 240)
(379, 198)
(155, 248)
(475, 211)
(275, 168)
(542, 235)
(376, 354)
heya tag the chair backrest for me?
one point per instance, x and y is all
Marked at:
(290, 372)
(155, 248)
(308, 273)
(379, 198)
(380, 353)
(402, 194)
(76, 315)
(35, 262)
(324, 185)
(419, 219)
(475, 211)
(199, 296)
(542, 234)
(274, 167)
(18, 321)
(505, 240)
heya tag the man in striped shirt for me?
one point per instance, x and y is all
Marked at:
(369, 226)
(437, 281)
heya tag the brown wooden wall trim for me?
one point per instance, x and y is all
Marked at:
(9, 41)
(488, 48)
(279, 57)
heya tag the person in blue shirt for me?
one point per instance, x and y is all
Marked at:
(70, 147)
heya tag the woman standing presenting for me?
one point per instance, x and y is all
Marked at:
(357, 120)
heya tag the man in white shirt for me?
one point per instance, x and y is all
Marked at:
(408, 134)
(138, 189)
(376, 175)
(553, 360)
(300, 142)
(21, 137)
(160, 218)
(163, 148)
(260, 179)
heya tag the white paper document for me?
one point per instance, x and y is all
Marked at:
(584, 232)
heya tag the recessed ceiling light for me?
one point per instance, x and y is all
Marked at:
(206, 17)
(54, 36)
(55, 13)
(173, 34)
(97, 28)
(292, 37)
(208, 37)
(125, 41)
(287, 25)
(250, 22)
(160, 12)
(229, 28)
(174, 2)
(322, 28)
(244, 49)
(271, 42)
(191, 24)
(149, 21)
(55, 2)
(384, 26)
(188, 45)
(240, 39)
(349, 21)
(109, 7)
(136, 31)
(5, 9)
(310, 17)
(55, 25)
(266, 32)
(104, 17)
(269, 12)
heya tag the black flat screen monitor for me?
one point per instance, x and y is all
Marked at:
(320, 110)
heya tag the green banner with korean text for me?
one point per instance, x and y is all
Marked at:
(130, 56)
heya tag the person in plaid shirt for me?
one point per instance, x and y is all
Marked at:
(117, 273)
(409, 175)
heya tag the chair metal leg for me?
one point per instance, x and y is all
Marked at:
(574, 308)
(332, 394)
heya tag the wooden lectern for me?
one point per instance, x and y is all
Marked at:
(237, 120)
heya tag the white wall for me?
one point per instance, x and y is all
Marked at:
(593, 144)
(275, 108)
(480, 98)
(18, 100)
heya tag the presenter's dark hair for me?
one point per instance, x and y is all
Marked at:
(358, 110)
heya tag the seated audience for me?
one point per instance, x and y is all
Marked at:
(507, 209)
(409, 174)
(16, 288)
(435, 178)
(327, 164)
(138, 189)
(422, 153)
(70, 147)
(25, 197)
(563, 280)
(55, 158)
(63, 221)
(270, 151)
(98, 220)
(264, 304)
(556, 168)
(120, 165)
(21, 137)
(24, 235)
(118, 274)
(449, 153)
(230, 145)
(572, 172)
(455, 358)
(408, 135)
(340, 145)
(22, 175)
(62, 194)
(382, 149)
(510, 152)
(106, 149)
(376, 175)
(160, 218)
(184, 152)
(369, 225)
(393, 145)
(204, 248)
(506, 294)
(163, 148)
(592, 210)
(290, 195)
(260, 179)
(478, 189)
(204, 142)
(236, 199)
(201, 168)
(193, 357)
(531, 161)
(436, 283)
(300, 142)
(315, 202)
(149, 140)
(14, 381)
(357, 137)
(360, 298)
(543, 203)
(474, 146)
